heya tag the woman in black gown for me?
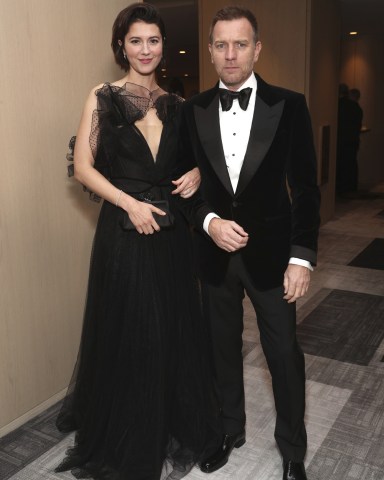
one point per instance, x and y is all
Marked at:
(141, 398)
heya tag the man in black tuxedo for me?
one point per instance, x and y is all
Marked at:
(254, 234)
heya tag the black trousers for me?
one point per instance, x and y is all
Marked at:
(276, 318)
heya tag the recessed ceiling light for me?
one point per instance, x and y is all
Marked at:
(182, 51)
(353, 33)
(186, 74)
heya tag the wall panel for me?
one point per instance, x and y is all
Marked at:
(322, 95)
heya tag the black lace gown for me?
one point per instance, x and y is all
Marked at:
(141, 398)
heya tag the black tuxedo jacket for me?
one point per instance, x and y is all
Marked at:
(281, 221)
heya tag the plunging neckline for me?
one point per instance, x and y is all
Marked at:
(151, 128)
(140, 133)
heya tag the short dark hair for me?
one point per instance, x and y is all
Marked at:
(354, 93)
(138, 12)
(235, 13)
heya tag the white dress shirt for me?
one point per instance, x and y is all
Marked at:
(235, 128)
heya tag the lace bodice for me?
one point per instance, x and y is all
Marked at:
(128, 104)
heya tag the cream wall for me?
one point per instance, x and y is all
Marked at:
(51, 54)
(297, 55)
(362, 67)
(322, 93)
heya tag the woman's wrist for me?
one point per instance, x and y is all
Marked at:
(118, 196)
(126, 202)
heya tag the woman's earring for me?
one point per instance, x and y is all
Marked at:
(120, 43)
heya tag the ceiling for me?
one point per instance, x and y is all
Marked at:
(181, 22)
(363, 16)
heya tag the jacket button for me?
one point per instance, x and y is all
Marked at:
(235, 204)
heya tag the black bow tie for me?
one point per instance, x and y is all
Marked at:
(227, 97)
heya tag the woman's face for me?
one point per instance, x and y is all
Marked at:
(143, 46)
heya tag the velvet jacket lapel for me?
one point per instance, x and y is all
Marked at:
(264, 125)
(266, 119)
(208, 129)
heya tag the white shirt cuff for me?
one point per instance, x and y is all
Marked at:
(207, 219)
(300, 261)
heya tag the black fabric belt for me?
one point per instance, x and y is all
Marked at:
(143, 189)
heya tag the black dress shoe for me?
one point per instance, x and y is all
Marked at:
(294, 471)
(220, 457)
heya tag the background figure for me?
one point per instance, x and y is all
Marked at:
(141, 399)
(350, 117)
(354, 94)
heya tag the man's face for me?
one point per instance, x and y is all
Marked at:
(233, 51)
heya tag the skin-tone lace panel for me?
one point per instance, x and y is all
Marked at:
(134, 102)
(141, 97)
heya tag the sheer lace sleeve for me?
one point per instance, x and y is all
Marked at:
(99, 132)
(94, 137)
(70, 169)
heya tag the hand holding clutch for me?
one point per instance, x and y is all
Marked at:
(164, 221)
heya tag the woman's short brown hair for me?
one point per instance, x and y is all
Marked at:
(138, 12)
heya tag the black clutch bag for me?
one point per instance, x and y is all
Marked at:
(164, 221)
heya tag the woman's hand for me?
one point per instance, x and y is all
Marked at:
(187, 184)
(141, 215)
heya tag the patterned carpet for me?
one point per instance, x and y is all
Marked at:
(341, 330)
(372, 256)
(346, 326)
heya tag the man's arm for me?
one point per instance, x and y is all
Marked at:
(305, 196)
(302, 180)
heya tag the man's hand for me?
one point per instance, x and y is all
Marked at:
(227, 234)
(296, 282)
